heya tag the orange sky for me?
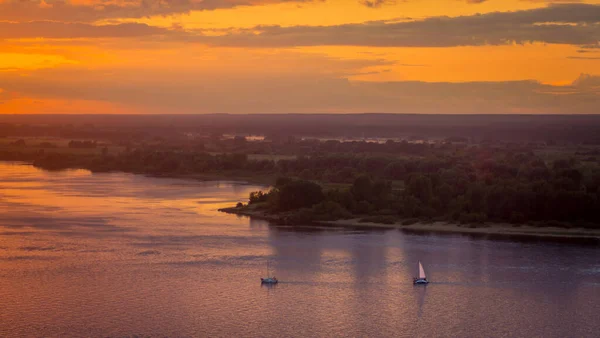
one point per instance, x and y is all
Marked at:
(277, 56)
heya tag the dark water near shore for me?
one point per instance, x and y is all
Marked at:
(123, 255)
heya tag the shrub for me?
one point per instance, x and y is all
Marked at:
(410, 221)
(472, 218)
(258, 197)
(387, 212)
(47, 145)
(19, 143)
(328, 210)
(363, 207)
(517, 217)
(383, 219)
(300, 216)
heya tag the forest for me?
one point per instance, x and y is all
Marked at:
(514, 188)
(395, 181)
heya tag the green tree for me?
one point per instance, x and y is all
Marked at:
(419, 186)
(395, 170)
(299, 194)
(362, 189)
(476, 196)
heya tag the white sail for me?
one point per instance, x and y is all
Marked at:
(421, 271)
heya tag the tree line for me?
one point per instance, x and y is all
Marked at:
(469, 184)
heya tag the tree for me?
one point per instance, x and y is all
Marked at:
(282, 180)
(346, 174)
(19, 143)
(445, 194)
(395, 170)
(419, 186)
(257, 197)
(362, 188)
(380, 193)
(239, 140)
(476, 197)
(343, 197)
(299, 194)
(411, 207)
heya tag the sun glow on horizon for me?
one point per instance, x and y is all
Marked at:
(272, 55)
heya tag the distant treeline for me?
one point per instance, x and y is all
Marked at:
(383, 182)
(521, 128)
(83, 144)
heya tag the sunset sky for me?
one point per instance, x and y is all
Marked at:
(304, 56)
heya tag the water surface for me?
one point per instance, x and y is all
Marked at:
(101, 255)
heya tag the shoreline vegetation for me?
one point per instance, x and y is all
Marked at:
(453, 184)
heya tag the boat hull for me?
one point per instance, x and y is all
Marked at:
(420, 281)
(269, 280)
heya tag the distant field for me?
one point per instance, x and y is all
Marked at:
(553, 153)
(32, 144)
(397, 185)
(259, 157)
(30, 141)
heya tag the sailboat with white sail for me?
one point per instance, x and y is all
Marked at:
(268, 280)
(422, 279)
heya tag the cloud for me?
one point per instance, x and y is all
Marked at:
(587, 81)
(181, 91)
(3, 95)
(583, 57)
(550, 1)
(376, 3)
(63, 30)
(92, 10)
(591, 46)
(577, 24)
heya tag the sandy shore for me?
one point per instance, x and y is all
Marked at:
(447, 227)
(486, 229)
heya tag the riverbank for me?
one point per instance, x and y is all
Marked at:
(441, 227)
(484, 229)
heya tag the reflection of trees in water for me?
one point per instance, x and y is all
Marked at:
(473, 280)
(255, 223)
(296, 252)
(369, 261)
(369, 257)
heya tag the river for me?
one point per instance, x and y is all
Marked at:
(113, 255)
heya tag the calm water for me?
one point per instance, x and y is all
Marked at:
(124, 255)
